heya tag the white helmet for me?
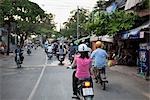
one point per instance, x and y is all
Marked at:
(82, 48)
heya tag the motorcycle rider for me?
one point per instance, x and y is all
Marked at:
(72, 51)
(61, 51)
(45, 46)
(29, 46)
(49, 49)
(20, 51)
(83, 63)
(99, 57)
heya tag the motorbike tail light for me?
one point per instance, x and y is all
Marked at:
(87, 84)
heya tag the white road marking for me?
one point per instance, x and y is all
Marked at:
(38, 81)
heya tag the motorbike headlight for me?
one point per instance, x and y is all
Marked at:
(87, 84)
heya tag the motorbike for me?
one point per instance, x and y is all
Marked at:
(71, 58)
(18, 60)
(61, 58)
(49, 55)
(85, 89)
(28, 51)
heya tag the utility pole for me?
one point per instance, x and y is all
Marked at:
(92, 21)
(60, 27)
(8, 38)
(77, 22)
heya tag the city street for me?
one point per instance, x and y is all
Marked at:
(42, 79)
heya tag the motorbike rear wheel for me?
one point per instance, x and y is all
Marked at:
(18, 65)
(104, 85)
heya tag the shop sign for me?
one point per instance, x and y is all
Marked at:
(142, 34)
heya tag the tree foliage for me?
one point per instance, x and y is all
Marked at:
(29, 16)
(70, 27)
(111, 23)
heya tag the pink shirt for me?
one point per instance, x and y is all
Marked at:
(83, 67)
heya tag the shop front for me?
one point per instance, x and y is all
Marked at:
(144, 54)
(107, 41)
(129, 45)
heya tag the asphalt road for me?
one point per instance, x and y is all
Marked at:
(42, 79)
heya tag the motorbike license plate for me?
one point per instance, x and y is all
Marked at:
(50, 54)
(87, 91)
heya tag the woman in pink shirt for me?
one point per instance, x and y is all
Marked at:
(83, 63)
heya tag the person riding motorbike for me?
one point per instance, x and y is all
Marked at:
(49, 51)
(99, 57)
(61, 53)
(20, 51)
(45, 46)
(49, 48)
(72, 52)
(83, 63)
(29, 46)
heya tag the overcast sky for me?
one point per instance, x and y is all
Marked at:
(61, 8)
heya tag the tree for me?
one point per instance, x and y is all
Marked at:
(70, 27)
(45, 26)
(29, 16)
(111, 23)
(23, 11)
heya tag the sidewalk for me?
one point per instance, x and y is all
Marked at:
(132, 71)
(3, 57)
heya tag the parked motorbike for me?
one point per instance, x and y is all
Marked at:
(49, 55)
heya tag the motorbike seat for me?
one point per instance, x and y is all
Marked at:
(83, 79)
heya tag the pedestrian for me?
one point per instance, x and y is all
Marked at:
(99, 57)
(2, 48)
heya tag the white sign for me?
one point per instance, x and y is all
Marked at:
(142, 34)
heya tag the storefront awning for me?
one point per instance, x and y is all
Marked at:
(131, 3)
(105, 38)
(135, 33)
(111, 8)
(81, 39)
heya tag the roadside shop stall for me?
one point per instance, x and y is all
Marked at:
(144, 54)
(108, 45)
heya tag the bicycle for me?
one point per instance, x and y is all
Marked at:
(99, 79)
